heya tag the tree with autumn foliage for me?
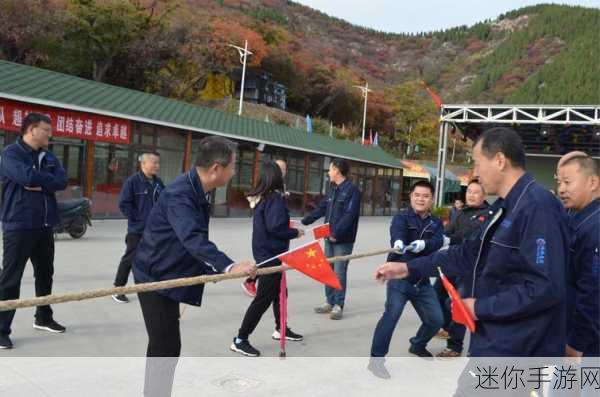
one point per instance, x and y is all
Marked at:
(415, 122)
(203, 50)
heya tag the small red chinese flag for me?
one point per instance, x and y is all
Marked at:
(322, 231)
(310, 260)
(460, 314)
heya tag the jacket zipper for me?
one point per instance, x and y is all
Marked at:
(40, 158)
(497, 216)
(423, 231)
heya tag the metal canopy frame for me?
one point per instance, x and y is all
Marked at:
(471, 119)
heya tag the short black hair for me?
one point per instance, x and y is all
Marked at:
(586, 164)
(472, 181)
(426, 184)
(33, 119)
(215, 149)
(503, 140)
(341, 165)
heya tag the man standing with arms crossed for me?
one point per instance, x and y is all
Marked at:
(30, 176)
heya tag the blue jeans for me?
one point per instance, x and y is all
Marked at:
(334, 296)
(424, 300)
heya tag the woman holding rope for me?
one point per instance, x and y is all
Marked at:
(271, 236)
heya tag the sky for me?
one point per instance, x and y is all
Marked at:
(409, 16)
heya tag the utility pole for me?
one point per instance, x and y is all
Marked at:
(243, 57)
(365, 90)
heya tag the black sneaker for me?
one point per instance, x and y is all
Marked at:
(51, 326)
(423, 353)
(5, 342)
(289, 335)
(120, 298)
(244, 347)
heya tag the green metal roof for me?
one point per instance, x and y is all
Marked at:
(44, 87)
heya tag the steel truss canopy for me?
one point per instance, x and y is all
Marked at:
(546, 130)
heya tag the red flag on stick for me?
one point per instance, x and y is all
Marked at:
(460, 314)
(435, 97)
(322, 231)
(310, 260)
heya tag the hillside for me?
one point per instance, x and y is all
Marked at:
(539, 54)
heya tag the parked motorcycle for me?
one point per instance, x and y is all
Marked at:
(74, 217)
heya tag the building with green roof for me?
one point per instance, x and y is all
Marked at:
(100, 130)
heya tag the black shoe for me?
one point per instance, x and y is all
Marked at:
(51, 326)
(120, 298)
(5, 342)
(289, 335)
(423, 353)
(377, 368)
(244, 347)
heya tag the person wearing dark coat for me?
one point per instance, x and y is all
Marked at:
(578, 183)
(271, 235)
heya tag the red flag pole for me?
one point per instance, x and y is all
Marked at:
(282, 314)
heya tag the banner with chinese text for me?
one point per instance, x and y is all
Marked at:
(67, 123)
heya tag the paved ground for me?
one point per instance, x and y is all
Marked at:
(103, 328)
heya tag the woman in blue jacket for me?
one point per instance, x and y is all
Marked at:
(271, 236)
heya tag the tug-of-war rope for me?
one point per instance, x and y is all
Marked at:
(158, 285)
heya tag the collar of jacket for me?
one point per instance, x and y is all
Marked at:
(143, 177)
(513, 198)
(344, 183)
(194, 180)
(411, 212)
(481, 207)
(580, 217)
(28, 149)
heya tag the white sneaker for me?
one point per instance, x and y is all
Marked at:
(336, 313)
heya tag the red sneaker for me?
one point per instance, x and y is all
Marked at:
(249, 287)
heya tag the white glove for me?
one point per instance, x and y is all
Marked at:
(416, 246)
(399, 245)
(446, 241)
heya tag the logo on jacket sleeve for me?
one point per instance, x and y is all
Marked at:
(540, 256)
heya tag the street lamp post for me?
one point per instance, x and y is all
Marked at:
(243, 56)
(365, 90)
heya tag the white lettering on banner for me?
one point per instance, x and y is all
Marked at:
(88, 125)
(123, 132)
(60, 124)
(79, 126)
(17, 118)
(69, 125)
(107, 130)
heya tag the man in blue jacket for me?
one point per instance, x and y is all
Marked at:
(30, 176)
(578, 183)
(341, 209)
(414, 232)
(138, 195)
(176, 244)
(515, 268)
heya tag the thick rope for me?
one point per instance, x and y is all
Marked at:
(158, 285)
